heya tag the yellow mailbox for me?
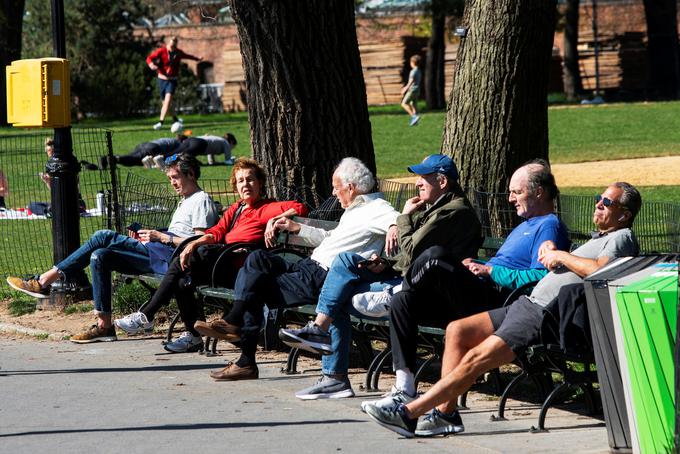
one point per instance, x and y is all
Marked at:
(39, 93)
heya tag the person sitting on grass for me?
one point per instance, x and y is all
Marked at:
(481, 342)
(439, 215)
(145, 251)
(269, 279)
(249, 220)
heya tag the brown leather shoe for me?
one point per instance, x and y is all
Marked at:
(219, 329)
(232, 372)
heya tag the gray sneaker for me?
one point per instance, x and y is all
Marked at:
(185, 343)
(390, 400)
(327, 388)
(394, 419)
(438, 423)
(310, 338)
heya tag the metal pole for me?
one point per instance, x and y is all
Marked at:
(63, 169)
(597, 99)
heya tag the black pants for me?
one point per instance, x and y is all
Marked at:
(134, 158)
(437, 289)
(192, 146)
(182, 284)
(266, 278)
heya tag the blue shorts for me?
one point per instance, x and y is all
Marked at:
(167, 86)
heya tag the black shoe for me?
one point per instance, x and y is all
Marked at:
(89, 165)
(103, 163)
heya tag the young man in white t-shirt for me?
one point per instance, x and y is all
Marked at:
(143, 251)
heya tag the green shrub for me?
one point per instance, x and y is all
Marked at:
(78, 308)
(22, 305)
(128, 298)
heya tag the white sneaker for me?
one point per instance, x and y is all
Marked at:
(157, 126)
(147, 162)
(375, 304)
(185, 343)
(211, 159)
(390, 400)
(159, 161)
(135, 323)
(230, 161)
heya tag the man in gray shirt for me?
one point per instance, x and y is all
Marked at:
(488, 340)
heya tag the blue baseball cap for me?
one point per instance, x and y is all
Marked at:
(436, 163)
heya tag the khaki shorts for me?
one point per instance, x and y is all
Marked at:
(410, 97)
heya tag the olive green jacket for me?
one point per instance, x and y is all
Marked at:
(451, 222)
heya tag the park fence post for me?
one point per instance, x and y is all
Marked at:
(63, 169)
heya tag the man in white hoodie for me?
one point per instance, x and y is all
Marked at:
(268, 279)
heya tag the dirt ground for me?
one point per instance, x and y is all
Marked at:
(660, 171)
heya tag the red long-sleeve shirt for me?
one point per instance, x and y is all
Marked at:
(168, 67)
(251, 224)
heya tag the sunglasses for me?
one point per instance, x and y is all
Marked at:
(170, 159)
(606, 202)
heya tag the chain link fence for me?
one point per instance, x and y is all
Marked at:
(25, 224)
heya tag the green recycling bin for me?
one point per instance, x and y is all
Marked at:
(646, 317)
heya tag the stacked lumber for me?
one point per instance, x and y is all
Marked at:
(234, 93)
(622, 61)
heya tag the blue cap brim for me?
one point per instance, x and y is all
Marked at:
(421, 169)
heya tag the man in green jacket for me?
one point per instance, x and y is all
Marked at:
(439, 215)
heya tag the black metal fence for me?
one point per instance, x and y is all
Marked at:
(657, 226)
(25, 225)
(113, 199)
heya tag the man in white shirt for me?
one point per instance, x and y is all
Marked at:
(269, 279)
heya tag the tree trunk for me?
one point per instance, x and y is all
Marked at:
(11, 24)
(305, 87)
(571, 73)
(662, 48)
(497, 116)
(436, 47)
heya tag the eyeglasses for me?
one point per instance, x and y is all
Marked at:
(606, 201)
(170, 159)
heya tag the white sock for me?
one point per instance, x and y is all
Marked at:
(406, 382)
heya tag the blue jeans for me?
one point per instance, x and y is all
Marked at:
(343, 281)
(107, 251)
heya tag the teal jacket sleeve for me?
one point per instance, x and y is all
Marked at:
(511, 278)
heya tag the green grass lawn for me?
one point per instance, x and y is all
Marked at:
(577, 133)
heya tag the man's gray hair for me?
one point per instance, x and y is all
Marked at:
(539, 175)
(352, 170)
(630, 198)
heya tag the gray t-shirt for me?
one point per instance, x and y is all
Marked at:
(416, 75)
(217, 145)
(194, 212)
(620, 243)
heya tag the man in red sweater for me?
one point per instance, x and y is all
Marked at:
(165, 61)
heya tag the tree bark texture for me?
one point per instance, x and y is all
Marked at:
(11, 24)
(436, 48)
(662, 48)
(571, 73)
(497, 116)
(306, 93)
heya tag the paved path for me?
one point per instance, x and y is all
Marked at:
(657, 171)
(130, 396)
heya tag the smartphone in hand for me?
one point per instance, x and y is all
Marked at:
(134, 227)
